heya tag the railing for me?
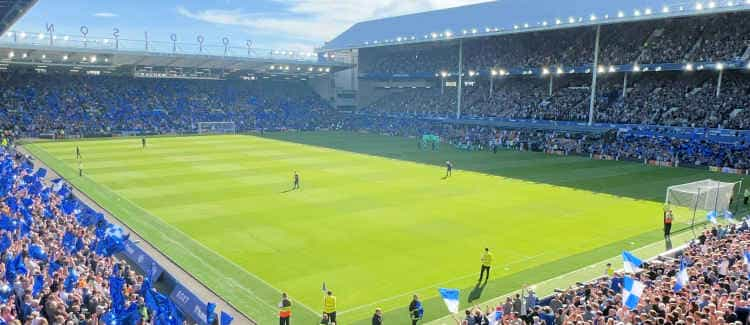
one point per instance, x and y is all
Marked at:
(199, 47)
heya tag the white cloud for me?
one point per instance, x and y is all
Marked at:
(105, 14)
(311, 22)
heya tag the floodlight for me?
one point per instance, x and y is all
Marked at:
(720, 66)
(545, 71)
(636, 68)
(11, 54)
(620, 14)
(689, 67)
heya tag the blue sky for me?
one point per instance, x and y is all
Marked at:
(271, 24)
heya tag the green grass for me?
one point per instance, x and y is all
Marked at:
(374, 219)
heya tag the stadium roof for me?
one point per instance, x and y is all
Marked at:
(11, 10)
(517, 16)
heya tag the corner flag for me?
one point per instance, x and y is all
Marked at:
(450, 297)
(324, 287)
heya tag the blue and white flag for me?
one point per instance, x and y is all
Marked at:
(631, 264)
(728, 215)
(746, 258)
(631, 292)
(711, 217)
(682, 278)
(450, 297)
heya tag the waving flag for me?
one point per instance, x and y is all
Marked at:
(8, 223)
(70, 280)
(682, 276)
(38, 285)
(746, 258)
(210, 312)
(5, 242)
(631, 264)
(36, 252)
(69, 241)
(226, 319)
(711, 217)
(450, 297)
(631, 292)
(53, 267)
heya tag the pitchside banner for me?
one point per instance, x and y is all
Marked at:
(149, 267)
(189, 304)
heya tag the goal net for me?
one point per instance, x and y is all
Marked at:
(691, 202)
(216, 128)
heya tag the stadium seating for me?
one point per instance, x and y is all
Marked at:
(104, 104)
(695, 39)
(58, 261)
(712, 295)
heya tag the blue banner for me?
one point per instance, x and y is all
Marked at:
(189, 304)
(150, 268)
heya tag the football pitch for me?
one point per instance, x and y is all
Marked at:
(375, 219)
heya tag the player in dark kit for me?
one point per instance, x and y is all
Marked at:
(448, 169)
(296, 181)
(143, 143)
(78, 153)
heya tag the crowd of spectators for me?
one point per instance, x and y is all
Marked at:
(34, 104)
(720, 37)
(717, 291)
(695, 151)
(666, 98)
(58, 261)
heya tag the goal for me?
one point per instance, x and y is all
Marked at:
(216, 128)
(699, 198)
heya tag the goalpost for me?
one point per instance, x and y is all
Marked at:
(216, 128)
(695, 200)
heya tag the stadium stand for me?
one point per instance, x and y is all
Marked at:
(59, 264)
(90, 105)
(59, 260)
(712, 295)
